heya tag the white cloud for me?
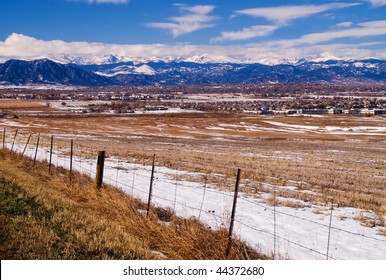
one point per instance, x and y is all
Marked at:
(281, 16)
(246, 33)
(345, 24)
(366, 29)
(284, 14)
(377, 3)
(24, 47)
(195, 18)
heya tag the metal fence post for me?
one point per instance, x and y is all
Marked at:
(233, 213)
(37, 147)
(329, 231)
(14, 139)
(151, 187)
(26, 145)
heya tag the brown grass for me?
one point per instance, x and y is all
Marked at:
(348, 169)
(43, 217)
(14, 104)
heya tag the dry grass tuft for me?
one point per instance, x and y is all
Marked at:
(44, 217)
(370, 220)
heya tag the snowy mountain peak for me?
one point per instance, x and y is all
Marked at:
(106, 59)
(145, 69)
(280, 61)
(206, 58)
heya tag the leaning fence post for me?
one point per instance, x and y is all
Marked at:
(233, 213)
(26, 144)
(203, 197)
(71, 154)
(37, 147)
(151, 186)
(14, 139)
(49, 166)
(99, 170)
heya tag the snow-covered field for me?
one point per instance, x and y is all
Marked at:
(275, 126)
(311, 232)
(353, 130)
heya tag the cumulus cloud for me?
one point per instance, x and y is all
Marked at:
(284, 14)
(377, 3)
(194, 18)
(246, 33)
(18, 45)
(24, 47)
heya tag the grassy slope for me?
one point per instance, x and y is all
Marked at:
(43, 217)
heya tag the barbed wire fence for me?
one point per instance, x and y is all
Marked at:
(283, 234)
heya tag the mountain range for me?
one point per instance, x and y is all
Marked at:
(114, 71)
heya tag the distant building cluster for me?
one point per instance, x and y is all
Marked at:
(257, 99)
(335, 111)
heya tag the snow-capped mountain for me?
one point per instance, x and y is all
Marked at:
(196, 71)
(127, 70)
(145, 69)
(198, 58)
(98, 60)
(44, 71)
(205, 58)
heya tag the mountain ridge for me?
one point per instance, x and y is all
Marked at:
(174, 72)
(45, 71)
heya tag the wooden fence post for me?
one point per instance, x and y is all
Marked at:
(49, 166)
(26, 144)
(14, 139)
(233, 213)
(37, 147)
(100, 167)
(151, 186)
(4, 138)
(71, 155)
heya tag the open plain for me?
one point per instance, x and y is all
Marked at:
(294, 162)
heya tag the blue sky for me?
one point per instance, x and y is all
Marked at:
(244, 29)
